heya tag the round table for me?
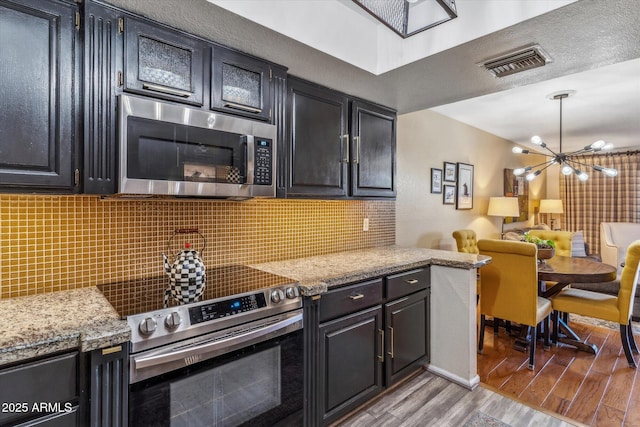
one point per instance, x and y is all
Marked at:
(565, 271)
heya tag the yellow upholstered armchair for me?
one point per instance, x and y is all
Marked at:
(466, 241)
(510, 289)
(607, 307)
(562, 239)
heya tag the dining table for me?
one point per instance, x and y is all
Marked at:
(559, 272)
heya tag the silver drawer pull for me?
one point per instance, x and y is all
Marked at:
(167, 90)
(412, 281)
(356, 296)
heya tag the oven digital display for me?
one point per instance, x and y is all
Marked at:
(218, 309)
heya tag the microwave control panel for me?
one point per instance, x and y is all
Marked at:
(263, 161)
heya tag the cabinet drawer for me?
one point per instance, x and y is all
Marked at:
(49, 380)
(407, 282)
(350, 299)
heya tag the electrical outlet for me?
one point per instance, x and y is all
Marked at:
(365, 224)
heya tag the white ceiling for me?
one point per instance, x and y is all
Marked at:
(594, 44)
(607, 100)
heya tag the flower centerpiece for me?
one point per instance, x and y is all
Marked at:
(546, 247)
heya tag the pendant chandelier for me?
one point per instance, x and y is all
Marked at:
(568, 161)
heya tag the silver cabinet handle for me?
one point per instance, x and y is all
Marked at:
(167, 90)
(243, 107)
(391, 339)
(356, 139)
(356, 296)
(411, 281)
(381, 355)
(346, 138)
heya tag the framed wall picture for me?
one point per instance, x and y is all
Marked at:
(449, 172)
(449, 194)
(436, 180)
(464, 195)
(517, 186)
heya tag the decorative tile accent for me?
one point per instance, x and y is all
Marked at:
(52, 243)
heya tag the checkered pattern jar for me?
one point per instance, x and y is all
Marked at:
(187, 277)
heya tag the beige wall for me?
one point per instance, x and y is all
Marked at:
(427, 139)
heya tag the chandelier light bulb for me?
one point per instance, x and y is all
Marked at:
(532, 175)
(610, 172)
(567, 170)
(519, 171)
(582, 176)
(535, 139)
(518, 150)
(598, 145)
(608, 146)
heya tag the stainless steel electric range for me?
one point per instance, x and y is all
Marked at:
(233, 358)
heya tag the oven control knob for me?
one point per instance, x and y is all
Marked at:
(147, 326)
(292, 292)
(173, 320)
(277, 296)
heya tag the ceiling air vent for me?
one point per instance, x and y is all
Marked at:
(517, 61)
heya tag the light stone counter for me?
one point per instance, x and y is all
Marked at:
(41, 324)
(316, 274)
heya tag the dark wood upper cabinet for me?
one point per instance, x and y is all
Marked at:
(317, 141)
(240, 84)
(163, 63)
(328, 158)
(373, 164)
(103, 61)
(39, 96)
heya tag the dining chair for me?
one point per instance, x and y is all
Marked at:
(606, 307)
(510, 289)
(466, 241)
(561, 238)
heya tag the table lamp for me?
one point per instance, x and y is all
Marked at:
(504, 207)
(551, 206)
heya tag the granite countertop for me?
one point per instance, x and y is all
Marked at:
(83, 318)
(47, 323)
(317, 274)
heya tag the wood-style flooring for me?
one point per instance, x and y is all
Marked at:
(596, 390)
(567, 387)
(429, 400)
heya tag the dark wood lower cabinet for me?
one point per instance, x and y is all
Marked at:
(105, 387)
(407, 335)
(361, 338)
(350, 362)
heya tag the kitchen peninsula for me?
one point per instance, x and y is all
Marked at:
(82, 319)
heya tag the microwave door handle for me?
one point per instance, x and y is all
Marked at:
(248, 338)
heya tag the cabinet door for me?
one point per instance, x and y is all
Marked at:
(240, 84)
(103, 60)
(407, 335)
(373, 163)
(38, 95)
(318, 141)
(163, 63)
(350, 362)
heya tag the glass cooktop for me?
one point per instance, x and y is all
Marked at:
(145, 295)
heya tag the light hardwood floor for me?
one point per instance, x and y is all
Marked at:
(568, 387)
(429, 400)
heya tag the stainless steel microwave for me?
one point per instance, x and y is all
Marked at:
(171, 149)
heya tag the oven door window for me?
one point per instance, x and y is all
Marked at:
(172, 152)
(257, 386)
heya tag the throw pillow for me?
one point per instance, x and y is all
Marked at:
(577, 244)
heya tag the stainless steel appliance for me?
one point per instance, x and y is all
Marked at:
(234, 358)
(171, 149)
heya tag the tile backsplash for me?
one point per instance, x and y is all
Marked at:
(52, 243)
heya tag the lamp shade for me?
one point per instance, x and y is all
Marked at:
(503, 206)
(551, 206)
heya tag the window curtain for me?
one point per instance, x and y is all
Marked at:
(601, 198)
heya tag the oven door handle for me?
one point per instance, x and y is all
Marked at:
(232, 342)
